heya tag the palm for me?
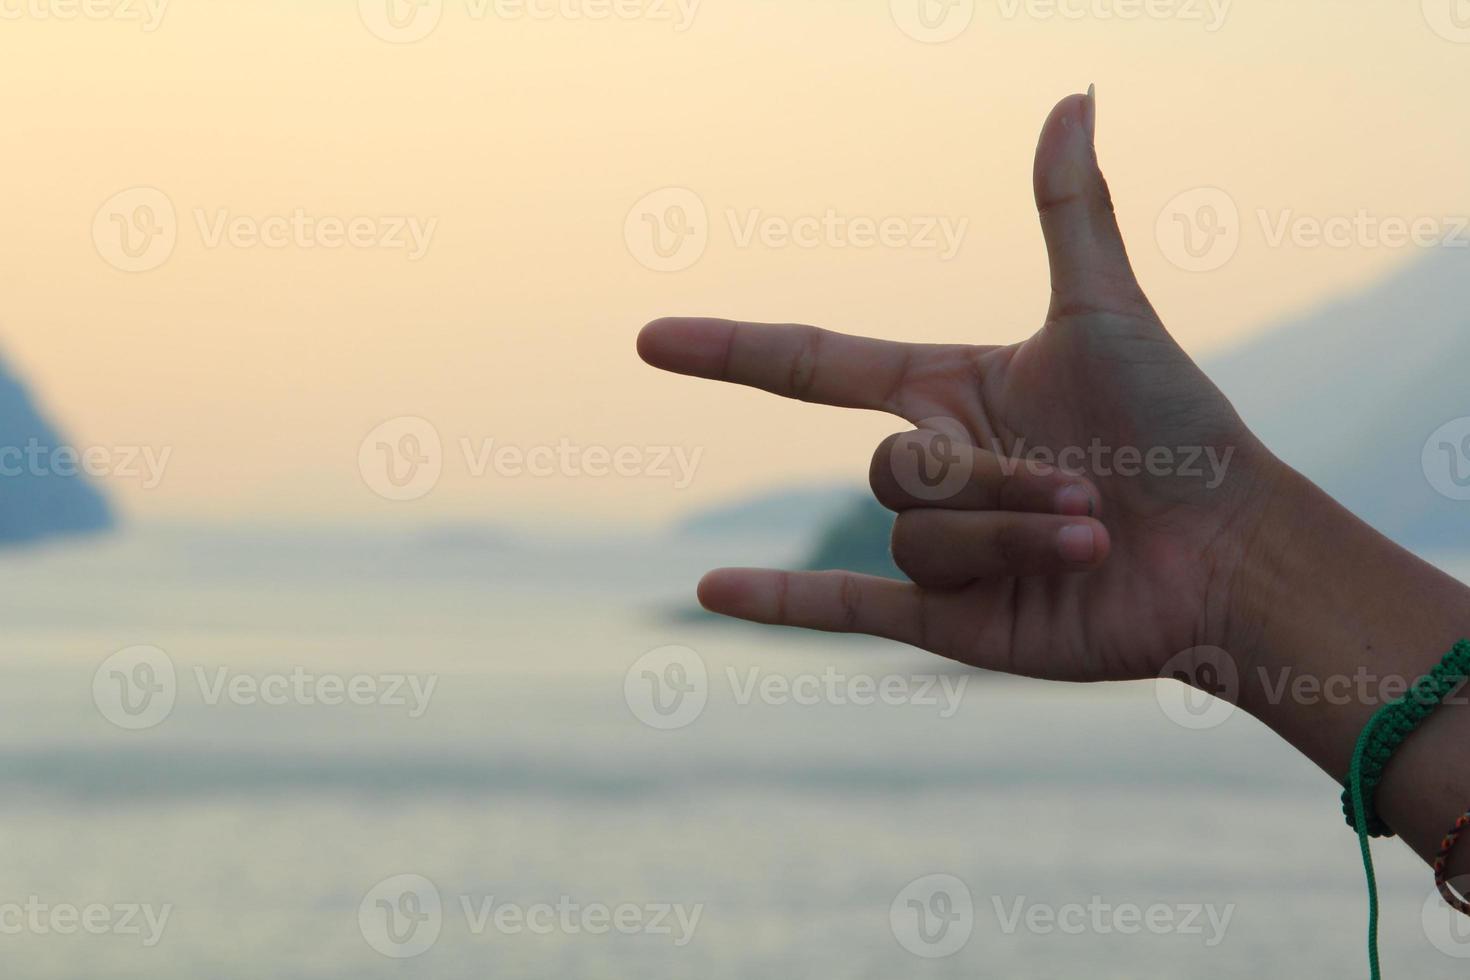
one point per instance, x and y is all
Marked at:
(992, 586)
(1149, 599)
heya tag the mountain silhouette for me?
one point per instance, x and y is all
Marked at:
(42, 494)
(1351, 393)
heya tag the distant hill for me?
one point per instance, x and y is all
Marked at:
(37, 502)
(857, 539)
(1349, 393)
(799, 511)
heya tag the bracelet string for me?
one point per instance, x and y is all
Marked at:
(1384, 733)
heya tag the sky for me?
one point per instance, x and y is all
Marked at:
(284, 249)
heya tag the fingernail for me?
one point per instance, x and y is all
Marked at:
(1089, 112)
(1076, 543)
(1073, 500)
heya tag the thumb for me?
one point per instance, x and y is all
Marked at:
(1089, 265)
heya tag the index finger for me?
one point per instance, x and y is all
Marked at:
(791, 360)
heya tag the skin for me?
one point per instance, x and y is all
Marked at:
(1065, 569)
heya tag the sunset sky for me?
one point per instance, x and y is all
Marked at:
(515, 141)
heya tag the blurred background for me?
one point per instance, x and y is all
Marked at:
(350, 549)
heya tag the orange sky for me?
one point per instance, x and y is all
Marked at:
(446, 229)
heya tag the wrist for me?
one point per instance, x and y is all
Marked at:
(1326, 613)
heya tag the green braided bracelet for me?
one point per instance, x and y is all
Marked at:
(1392, 724)
(1385, 731)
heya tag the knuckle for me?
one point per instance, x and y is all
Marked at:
(1011, 545)
(803, 375)
(849, 601)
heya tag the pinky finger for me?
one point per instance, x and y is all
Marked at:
(837, 602)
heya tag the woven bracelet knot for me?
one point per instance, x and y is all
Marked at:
(1394, 722)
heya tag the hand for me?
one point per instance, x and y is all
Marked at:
(1107, 493)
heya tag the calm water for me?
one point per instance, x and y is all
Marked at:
(788, 835)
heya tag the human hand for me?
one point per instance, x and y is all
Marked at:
(1075, 506)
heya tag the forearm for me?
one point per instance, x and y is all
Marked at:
(1331, 620)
